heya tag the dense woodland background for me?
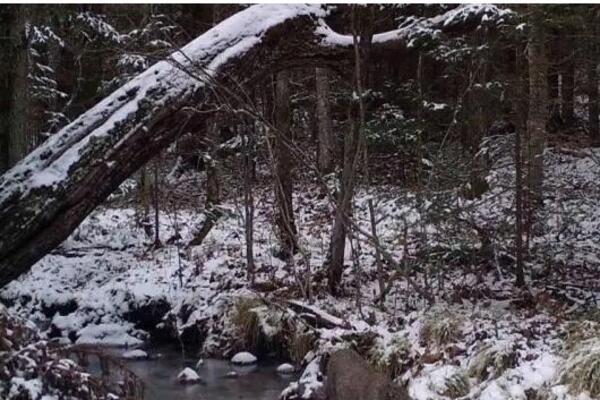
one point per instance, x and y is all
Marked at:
(458, 167)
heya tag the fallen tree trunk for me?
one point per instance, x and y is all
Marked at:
(45, 196)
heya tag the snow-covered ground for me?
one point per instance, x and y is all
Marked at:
(483, 339)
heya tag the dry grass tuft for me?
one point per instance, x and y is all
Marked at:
(246, 321)
(392, 358)
(456, 386)
(441, 326)
(581, 371)
(299, 344)
(491, 361)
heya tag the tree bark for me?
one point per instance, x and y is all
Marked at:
(6, 68)
(18, 143)
(212, 211)
(326, 139)
(46, 195)
(144, 198)
(553, 76)
(362, 37)
(568, 89)
(538, 109)
(592, 88)
(518, 117)
(249, 206)
(284, 216)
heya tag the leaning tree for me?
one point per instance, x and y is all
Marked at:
(45, 196)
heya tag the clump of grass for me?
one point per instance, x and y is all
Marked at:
(580, 331)
(456, 386)
(492, 361)
(246, 321)
(581, 371)
(391, 358)
(299, 344)
(441, 327)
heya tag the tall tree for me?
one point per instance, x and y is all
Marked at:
(592, 50)
(538, 105)
(19, 142)
(6, 15)
(568, 84)
(212, 201)
(325, 137)
(362, 30)
(283, 165)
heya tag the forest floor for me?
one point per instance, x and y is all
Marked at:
(454, 326)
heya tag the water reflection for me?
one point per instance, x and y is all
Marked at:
(255, 382)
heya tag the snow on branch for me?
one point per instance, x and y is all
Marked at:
(478, 14)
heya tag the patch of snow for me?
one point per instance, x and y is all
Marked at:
(136, 354)
(188, 376)
(286, 368)
(244, 358)
(108, 334)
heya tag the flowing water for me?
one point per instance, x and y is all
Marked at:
(255, 382)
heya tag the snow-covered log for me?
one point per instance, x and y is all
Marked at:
(45, 196)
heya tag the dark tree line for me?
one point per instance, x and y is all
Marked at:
(530, 72)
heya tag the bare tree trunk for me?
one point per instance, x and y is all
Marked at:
(538, 109)
(144, 198)
(362, 31)
(593, 103)
(18, 138)
(519, 226)
(156, 202)
(284, 217)
(568, 88)
(344, 204)
(249, 207)
(553, 78)
(6, 68)
(519, 119)
(212, 210)
(592, 92)
(326, 139)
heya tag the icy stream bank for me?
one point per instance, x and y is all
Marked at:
(254, 382)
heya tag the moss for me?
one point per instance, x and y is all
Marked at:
(581, 371)
(492, 361)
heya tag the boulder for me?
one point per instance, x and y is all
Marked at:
(286, 369)
(350, 377)
(188, 376)
(243, 358)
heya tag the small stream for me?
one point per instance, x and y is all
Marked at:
(255, 382)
